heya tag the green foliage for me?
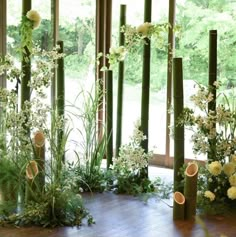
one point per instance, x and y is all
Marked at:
(55, 204)
(57, 207)
(90, 150)
(127, 167)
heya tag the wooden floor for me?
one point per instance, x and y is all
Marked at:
(127, 216)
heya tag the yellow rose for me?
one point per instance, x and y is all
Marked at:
(231, 192)
(229, 168)
(35, 17)
(232, 180)
(215, 168)
(233, 159)
(210, 195)
(144, 28)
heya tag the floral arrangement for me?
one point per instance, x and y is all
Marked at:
(127, 168)
(55, 204)
(217, 179)
(136, 37)
(29, 22)
(34, 18)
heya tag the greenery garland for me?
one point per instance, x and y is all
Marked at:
(29, 22)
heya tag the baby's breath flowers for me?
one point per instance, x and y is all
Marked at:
(127, 167)
(116, 55)
(132, 156)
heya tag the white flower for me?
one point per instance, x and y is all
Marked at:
(34, 17)
(210, 195)
(231, 193)
(215, 168)
(229, 168)
(144, 28)
(232, 180)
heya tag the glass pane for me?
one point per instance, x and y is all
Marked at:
(196, 19)
(77, 30)
(133, 76)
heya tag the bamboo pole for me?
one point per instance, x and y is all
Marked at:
(121, 70)
(3, 36)
(26, 63)
(60, 93)
(146, 82)
(146, 77)
(190, 190)
(32, 184)
(178, 130)
(179, 206)
(212, 77)
(39, 146)
(108, 29)
(54, 34)
(109, 117)
(171, 46)
(100, 48)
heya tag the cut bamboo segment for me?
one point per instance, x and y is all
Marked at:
(179, 206)
(39, 146)
(39, 139)
(32, 170)
(190, 190)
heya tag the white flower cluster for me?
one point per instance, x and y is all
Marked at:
(132, 157)
(19, 124)
(136, 36)
(116, 55)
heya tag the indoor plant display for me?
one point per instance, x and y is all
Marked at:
(216, 184)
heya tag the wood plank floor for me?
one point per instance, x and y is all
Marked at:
(127, 216)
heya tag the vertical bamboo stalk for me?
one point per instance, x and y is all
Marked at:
(109, 116)
(54, 34)
(32, 183)
(39, 146)
(100, 48)
(3, 36)
(190, 190)
(171, 46)
(3, 42)
(146, 77)
(60, 92)
(146, 82)
(26, 63)
(108, 29)
(121, 70)
(178, 130)
(179, 206)
(212, 77)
